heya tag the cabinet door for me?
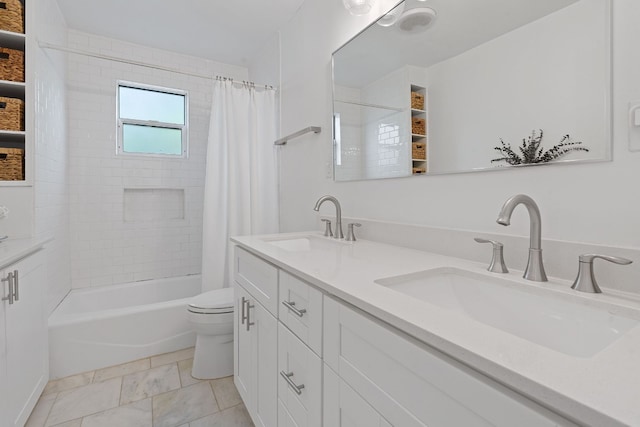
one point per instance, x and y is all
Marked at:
(412, 385)
(27, 340)
(299, 380)
(243, 370)
(343, 407)
(264, 331)
(4, 292)
(256, 358)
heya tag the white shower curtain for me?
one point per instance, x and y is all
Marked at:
(241, 187)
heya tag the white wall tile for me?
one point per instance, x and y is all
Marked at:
(105, 249)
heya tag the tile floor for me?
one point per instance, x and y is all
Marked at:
(155, 392)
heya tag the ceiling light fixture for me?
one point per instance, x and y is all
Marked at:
(358, 7)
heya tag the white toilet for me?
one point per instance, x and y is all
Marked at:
(211, 315)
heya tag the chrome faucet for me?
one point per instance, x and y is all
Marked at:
(535, 269)
(338, 233)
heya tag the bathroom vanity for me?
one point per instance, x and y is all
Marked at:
(335, 333)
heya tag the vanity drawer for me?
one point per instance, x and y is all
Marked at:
(300, 309)
(258, 277)
(299, 380)
(412, 385)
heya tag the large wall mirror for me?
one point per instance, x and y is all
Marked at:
(441, 86)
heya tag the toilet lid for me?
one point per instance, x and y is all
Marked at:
(212, 302)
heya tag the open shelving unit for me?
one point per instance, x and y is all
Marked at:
(419, 164)
(12, 89)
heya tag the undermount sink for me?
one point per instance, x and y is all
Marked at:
(547, 320)
(304, 243)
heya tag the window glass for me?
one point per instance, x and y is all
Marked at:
(149, 105)
(151, 121)
(151, 140)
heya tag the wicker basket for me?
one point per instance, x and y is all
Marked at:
(11, 114)
(418, 126)
(11, 164)
(12, 16)
(11, 64)
(419, 171)
(419, 151)
(417, 101)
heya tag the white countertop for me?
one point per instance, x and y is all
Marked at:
(13, 250)
(603, 390)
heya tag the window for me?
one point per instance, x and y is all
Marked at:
(152, 120)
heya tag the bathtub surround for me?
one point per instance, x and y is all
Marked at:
(241, 189)
(140, 394)
(107, 246)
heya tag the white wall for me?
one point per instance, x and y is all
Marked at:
(51, 191)
(106, 249)
(594, 203)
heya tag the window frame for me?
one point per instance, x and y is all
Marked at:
(120, 122)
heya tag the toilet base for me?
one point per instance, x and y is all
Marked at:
(213, 357)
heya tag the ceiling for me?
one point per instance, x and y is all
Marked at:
(229, 31)
(460, 26)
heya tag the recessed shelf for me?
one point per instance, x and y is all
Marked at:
(12, 40)
(415, 112)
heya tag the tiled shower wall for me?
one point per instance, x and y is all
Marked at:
(106, 249)
(51, 193)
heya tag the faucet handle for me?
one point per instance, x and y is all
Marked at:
(586, 280)
(327, 228)
(351, 237)
(497, 260)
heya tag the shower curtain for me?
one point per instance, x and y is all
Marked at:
(241, 187)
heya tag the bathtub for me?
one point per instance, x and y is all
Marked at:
(106, 326)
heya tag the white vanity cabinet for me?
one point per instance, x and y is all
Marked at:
(23, 339)
(324, 363)
(256, 338)
(277, 364)
(410, 384)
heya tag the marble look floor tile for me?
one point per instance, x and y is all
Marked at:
(121, 370)
(148, 383)
(226, 392)
(41, 411)
(68, 383)
(72, 423)
(184, 405)
(184, 366)
(86, 400)
(232, 417)
(137, 414)
(176, 356)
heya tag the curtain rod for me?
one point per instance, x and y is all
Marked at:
(46, 45)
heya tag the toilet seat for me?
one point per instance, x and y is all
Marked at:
(219, 301)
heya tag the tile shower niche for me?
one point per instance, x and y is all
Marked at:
(153, 204)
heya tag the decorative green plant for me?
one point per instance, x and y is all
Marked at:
(531, 151)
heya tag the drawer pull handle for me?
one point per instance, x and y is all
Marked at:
(249, 322)
(290, 306)
(16, 285)
(294, 386)
(11, 283)
(244, 310)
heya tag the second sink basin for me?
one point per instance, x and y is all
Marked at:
(304, 243)
(547, 320)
